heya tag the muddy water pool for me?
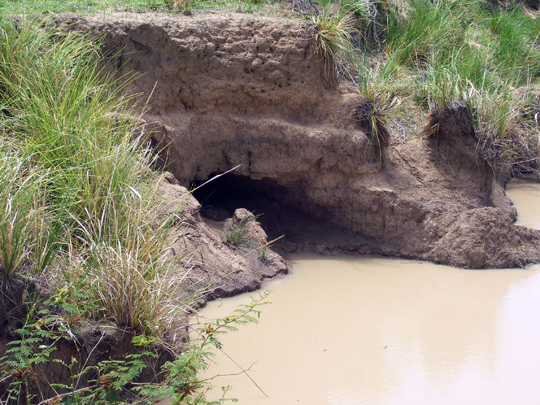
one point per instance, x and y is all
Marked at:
(351, 330)
(525, 195)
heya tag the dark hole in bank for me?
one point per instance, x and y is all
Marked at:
(281, 210)
(222, 196)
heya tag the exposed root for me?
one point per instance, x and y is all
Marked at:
(515, 152)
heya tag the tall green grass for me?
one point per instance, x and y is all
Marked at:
(441, 54)
(78, 195)
(21, 192)
(466, 52)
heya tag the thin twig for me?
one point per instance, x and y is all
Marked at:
(449, 165)
(265, 245)
(231, 374)
(253, 381)
(151, 93)
(215, 177)
(88, 358)
(47, 401)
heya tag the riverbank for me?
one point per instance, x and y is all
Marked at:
(250, 104)
(248, 92)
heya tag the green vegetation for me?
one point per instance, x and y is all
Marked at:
(79, 211)
(114, 381)
(136, 6)
(79, 203)
(430, 56)
(78, 191)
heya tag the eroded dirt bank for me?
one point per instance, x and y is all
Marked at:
(240, 90)
(245, 90)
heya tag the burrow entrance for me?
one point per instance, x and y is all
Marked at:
(280, 211)
(221, 196)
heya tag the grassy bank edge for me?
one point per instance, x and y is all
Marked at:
(83, 236)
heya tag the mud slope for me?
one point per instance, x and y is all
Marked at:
(246, 90)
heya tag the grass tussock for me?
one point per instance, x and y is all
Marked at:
(78, 198)
(333, 33)
(431, 56)
(379, 83)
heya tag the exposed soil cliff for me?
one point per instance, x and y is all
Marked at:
(245, 90)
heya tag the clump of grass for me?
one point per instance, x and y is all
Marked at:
(372, 115)
(503, 140)
(334, 39)
(380, 85)
(81, 182)
(368, 15)
(133, 279)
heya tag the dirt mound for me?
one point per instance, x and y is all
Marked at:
(224, 267)
(485, 238)
(246, 90)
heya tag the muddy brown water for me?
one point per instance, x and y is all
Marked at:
(346, 330)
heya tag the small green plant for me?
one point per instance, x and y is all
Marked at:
(263, 252)
(237, 234)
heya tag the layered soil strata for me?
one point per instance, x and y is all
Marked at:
(224, 91)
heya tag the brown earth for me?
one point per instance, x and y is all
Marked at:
(246, 90)
(226, 268)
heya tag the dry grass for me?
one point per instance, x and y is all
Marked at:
(333, 30)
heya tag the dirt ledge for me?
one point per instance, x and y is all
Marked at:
(247, 90)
